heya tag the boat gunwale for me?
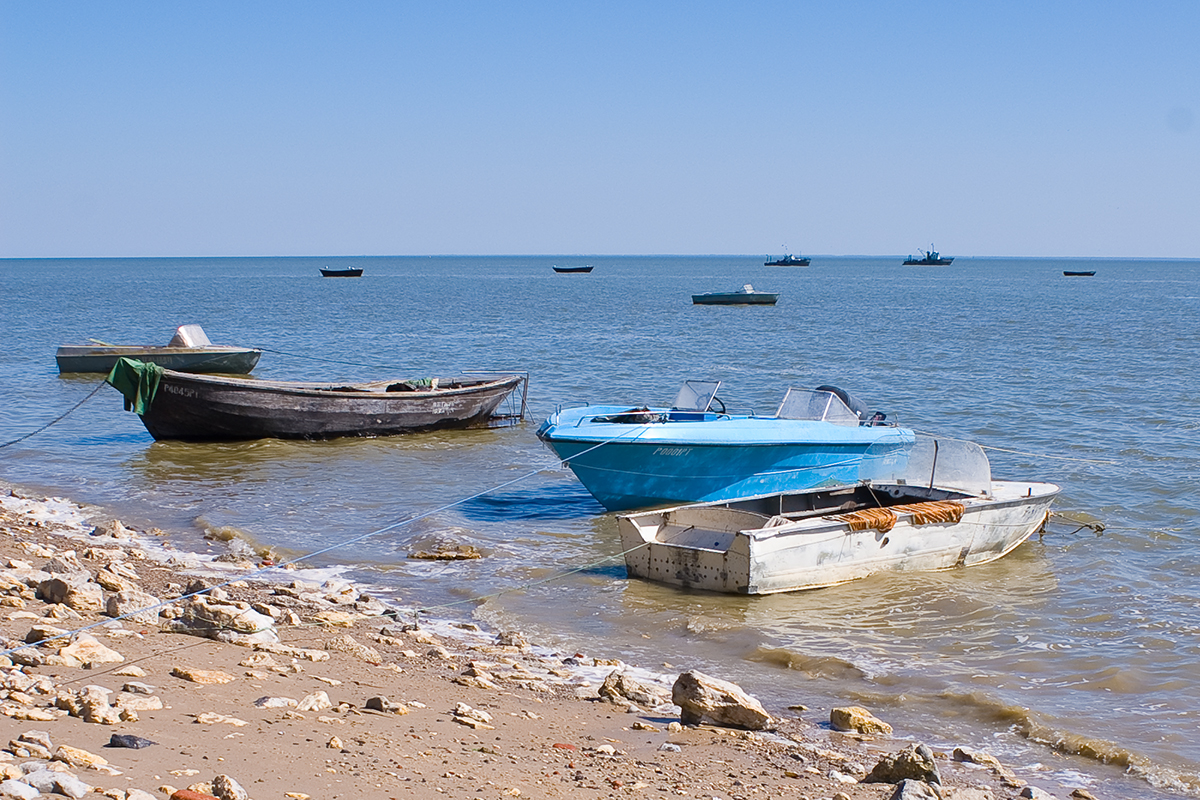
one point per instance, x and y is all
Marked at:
(326, 390)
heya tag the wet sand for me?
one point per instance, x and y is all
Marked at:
(544, 731)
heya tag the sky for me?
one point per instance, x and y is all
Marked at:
(225, 128)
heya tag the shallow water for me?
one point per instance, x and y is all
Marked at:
(1075, 649)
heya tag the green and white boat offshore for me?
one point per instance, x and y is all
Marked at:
(188, 351)
(696, 452)
(938, 509)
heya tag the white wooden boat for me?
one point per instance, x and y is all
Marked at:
(805, 540)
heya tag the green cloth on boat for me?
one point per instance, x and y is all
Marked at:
(137, 381)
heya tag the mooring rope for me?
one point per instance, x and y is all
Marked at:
(57, 419)
(1013, 452)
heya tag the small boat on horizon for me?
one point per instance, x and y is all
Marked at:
(746, 296)
(1079, 273)
(929, 258)
(349, 272)
(188, 351)
(632, 456)
(202, 408)
(936, 509)
(588, 268)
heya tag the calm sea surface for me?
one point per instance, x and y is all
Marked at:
(1077, 655)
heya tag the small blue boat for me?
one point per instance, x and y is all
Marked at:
(696, 452)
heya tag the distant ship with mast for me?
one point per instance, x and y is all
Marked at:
(788, 260)
(930, 258)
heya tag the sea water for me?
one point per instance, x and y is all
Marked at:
(1075, 659)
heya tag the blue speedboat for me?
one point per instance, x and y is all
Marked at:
(696, 452)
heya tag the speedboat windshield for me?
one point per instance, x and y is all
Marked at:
(936, 462)
(695, 396)
(816, 405)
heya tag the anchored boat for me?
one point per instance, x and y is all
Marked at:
(175, 405)
(694, 451)
(746, 296)
(188, 351)
(931, 507)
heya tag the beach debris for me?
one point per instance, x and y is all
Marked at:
(137, 687)
(128, 740)
(336, 618)
(857, 719)
(77, 592)
(91, 704)
(914, 762)
(87, 651)
(317, 701)
(234, 622)
(131, 671)
(701, 696)
(190, 794)
(206, 677)
(275, 702)
(1007, 777)
(476, 676)
(226, 788)
(512, 639)
(50, 781)
(334, 743)
(456, 552)
(1082, 794)
(112, 529)
(287, 651)
(909, 789)
(1035, 793)
(212, 718)
(77, 757)
(348, 644)
(383, 704)
(620, 688)
(18, 789)
(134, 605)
(463, 714)
(31, 744)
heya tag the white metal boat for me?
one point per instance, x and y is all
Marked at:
(935, 509)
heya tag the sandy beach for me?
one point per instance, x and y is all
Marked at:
(336, 696)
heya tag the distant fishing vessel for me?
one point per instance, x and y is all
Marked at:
(789, 261)
(588, 268)
(352, 272)
(930, 258)
(1080, 273)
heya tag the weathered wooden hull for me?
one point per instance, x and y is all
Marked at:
(203, 408)
(223, 360)
(734, 550)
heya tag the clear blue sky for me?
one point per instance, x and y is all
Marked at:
(327, 128)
